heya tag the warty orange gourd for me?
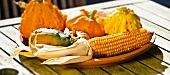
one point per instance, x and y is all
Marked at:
(41, 14)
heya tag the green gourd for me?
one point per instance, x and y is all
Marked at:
(51, 37)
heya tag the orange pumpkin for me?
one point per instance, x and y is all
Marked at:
(86, 22)
(41, 14)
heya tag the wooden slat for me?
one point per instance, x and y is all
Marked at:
(156, 65)
(9, 46)
(65, 70)
(163, 43)
(166, 58)
(139, 68)
(155, 28)
(92, 71)
(155, 52)
(17, 26)
(7, 32)
(6, 63)
(164, 46)
(117, 70)
(155, 8)
(10, 21)
(36, 66)
(151, 17)
(163, 56)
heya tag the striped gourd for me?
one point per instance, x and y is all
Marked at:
(119, 43)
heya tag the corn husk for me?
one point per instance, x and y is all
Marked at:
(79, 51)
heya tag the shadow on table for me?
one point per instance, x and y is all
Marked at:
(150, 60)
(147, 63)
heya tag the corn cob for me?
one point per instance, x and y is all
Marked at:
(119, 43)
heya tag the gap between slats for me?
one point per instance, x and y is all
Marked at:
(157, 58)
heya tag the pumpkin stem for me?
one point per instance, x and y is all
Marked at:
(74, 32)
(93, 14)
(39, 1)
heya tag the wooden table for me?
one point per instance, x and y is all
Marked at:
(156, 60)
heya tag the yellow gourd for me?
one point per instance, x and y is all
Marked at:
(121, 20)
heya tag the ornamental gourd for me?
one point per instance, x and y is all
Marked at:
(86, 22)
(79, 34)
(41, 14)
(121, 20)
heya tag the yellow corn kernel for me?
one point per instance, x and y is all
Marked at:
(119, 43)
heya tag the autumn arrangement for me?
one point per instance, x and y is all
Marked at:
(64, 39)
